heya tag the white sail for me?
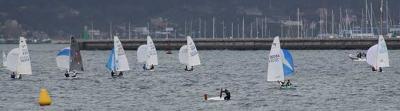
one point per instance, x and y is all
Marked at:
(12, 60)
(121, 61)
(193, 55)
(372, 55)
(377, 55)
(383, 56)
(275, 67)
(183, 55)
(152, 53)
(62, 59)
(142, 53)
(24, 61)
(4, 59)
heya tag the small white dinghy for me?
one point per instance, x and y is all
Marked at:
(188, 55)
(18, 60)
(378, 55)
(217, 98)
(147, 54)
(280, 64)
(117, 61)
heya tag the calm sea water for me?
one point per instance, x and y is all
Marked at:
(325, 80)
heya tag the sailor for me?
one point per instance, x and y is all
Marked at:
(66, 74)
(112, 73)
(152, 67)
(120, 74)
(373, 69)
(380, 69)
(288, 83)
(359, 55)
(144, 67)
(228, 94)
(282, 83)
(74, 74)
(186, 68)
(13, 75)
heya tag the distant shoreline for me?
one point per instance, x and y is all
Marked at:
(248, 44)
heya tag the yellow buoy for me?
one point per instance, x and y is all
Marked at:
(44, 97)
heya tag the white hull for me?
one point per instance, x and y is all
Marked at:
(216, 98)
(354, 58)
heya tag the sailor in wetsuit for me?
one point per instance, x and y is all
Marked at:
(120, 74)
(359, 55)
(13, 75)
(377, 69)
(112, 74)
(282, 83)
(145, 68)
(152, 67)
(66, 74)
(191, 68)
(228, 94)
(288, 83)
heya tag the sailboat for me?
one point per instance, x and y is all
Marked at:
(117, 61)
(377, 55)
(147, 54)
(75, 59)
(188, 55)
(18, 60)
(280, 64)
(4, 59)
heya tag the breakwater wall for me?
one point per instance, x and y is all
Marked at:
(247, 44)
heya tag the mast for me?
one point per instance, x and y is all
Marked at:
(371, 20)
(251, 30)
(223, 29)
(232, 30)
(262, 27)
(256, 27)
(213, 28)
(129, 30)
(381, 9)
(238, 30)
(199, 27)
(205, 28)
(340, 22)
(387, 16)
(243, 28)
(265, 26)
(111, 31)
(185, 28)
(333, 23)
(298, 22)
(191, 27)
(366, 15)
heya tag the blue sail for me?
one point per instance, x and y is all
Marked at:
(288, 66)
(111, 61)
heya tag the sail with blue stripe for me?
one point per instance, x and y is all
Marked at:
(288, 66)
(62, 58)
(64, 52)
(111, 61)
